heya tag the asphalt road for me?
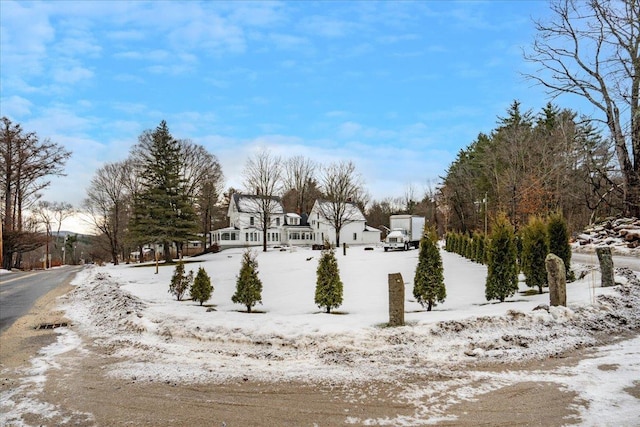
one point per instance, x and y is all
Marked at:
(20, 290)
(618, 260)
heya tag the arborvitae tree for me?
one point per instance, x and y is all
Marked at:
(559, 242)
(180, 281)
(459, 244)
(502, 275)
(519, 260)
(483, 249)
(201, 289)
(463, 245)
(479, 245)
(248, 285)
(469, 249)
(535, 248)
(428, 282)
(328, 283)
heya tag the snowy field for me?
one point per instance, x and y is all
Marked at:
(128, 310)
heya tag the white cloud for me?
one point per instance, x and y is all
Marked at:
(290, 42)
(328, 27)
(16, 106)
(126, 35)
(349, 129)
(25, 33)
(211, 34)
(156, 55)
(71, 75)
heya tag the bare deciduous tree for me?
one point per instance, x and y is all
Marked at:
(204, 179)
(107, 203)
(48, 214)
(592, 49)
(341, 185)
(299, 175)
(25, 162)
(263, 178)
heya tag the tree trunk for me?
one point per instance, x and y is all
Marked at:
(429, 305)
(328, 310)
(630, 174)
(167, 252)
(264, 239)
(114, 255)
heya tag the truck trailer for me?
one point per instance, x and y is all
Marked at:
(406, 232)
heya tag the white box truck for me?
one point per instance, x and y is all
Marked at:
(406, 232)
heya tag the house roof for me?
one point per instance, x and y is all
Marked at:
(352, 211)
(249, 203)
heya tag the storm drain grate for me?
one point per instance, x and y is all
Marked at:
(52, 325)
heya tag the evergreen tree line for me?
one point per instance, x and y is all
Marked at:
(471, 247)
(507, 253)
(532, 164)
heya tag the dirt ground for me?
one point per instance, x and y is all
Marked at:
(77, 392)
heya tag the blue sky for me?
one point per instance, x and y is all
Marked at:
(397, 87)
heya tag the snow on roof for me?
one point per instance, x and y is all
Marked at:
(352, 211)
(250, 203)
(293, 215)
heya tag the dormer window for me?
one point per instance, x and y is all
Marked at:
(278, 222)
(251, 221)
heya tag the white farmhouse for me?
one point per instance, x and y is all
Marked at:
(245, 225)
(354, 230)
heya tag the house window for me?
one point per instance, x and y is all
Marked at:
(246, 237)
(234, 237)
(355, 236)
(278, 222)
(225, 236)
(251, 221)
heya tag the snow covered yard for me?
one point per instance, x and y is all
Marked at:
(128, 310)
(435, 361)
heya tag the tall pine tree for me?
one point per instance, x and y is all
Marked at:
(535, 248)
(502, 275)
(328, 283)
(162, 212)
(248, 284)
(428, 282)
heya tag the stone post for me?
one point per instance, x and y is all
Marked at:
(396, 300)
(606, 266)
(557, 278)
